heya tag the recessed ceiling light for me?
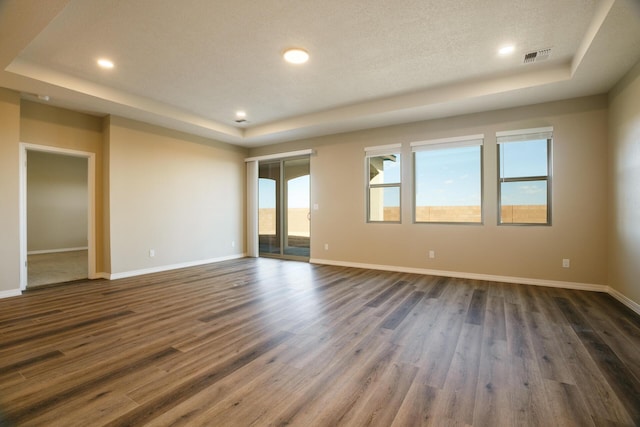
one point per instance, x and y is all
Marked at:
(506, 50)
(241, 117)
(296, 56)
(105, 63)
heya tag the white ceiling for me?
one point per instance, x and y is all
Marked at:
(190, 64)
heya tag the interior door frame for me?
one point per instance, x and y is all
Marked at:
(91, 198)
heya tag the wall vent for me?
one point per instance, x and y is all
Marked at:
(537, 56)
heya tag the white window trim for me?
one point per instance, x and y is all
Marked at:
(382, 150)
(286, 155)
(524, 135)
(453, 142)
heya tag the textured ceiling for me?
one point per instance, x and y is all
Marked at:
(190, 65)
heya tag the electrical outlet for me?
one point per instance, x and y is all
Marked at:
(233, 243)
(152, 253)
(432, 254)
(326, 246)
(566, 263)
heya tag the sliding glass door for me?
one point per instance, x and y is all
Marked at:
(296, 208)
(284, 208)
(269, 215)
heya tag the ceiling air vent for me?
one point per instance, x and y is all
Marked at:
(537, 56)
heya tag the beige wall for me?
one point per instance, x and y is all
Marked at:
(57, 201)
(9, 191)
(57, 127)
(147, 169)
(181, 195)
(579, 199)
(624, 180)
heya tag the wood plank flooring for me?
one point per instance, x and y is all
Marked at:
(261, 342)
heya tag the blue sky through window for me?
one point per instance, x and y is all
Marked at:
(527, 158)
(448, 177)
(524, 159)
(392, 173)
(266, 193)
(392, 170)
(298, 193)
(524, 193)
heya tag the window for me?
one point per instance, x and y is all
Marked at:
(447, 177)
(383, 183)
(524, 188)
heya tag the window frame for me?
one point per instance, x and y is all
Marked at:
(380, 151)
(448, 143)
(524, 135)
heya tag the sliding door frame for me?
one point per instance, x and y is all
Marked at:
(253, 201)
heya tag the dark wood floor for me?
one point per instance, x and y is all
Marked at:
(267, 342)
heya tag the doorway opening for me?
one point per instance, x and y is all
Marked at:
(57, 238)
(284, 208)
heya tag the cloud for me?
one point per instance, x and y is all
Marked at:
(531, 189)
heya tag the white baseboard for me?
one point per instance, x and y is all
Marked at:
(624, 300)
(53, 251)
(161, 268)
(462, 275)
(11, 293)
(507, 279)
(474, 276)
